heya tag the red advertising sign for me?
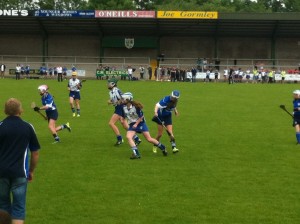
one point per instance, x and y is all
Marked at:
(124, 14)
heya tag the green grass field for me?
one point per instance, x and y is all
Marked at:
(238, 159)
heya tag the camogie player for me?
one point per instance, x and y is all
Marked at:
(137, 124)
(51, 112)
(163, 117)
(115, 99)
(296, 120)
(74, 86)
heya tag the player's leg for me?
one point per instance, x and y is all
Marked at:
(112, 123)
(155, 142)
(77, 102)
(135, 151)
(71, 101)
(136, 138)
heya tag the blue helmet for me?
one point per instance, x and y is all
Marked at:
(175, 94)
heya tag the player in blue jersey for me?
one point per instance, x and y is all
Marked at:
(163, 116)
(296, 120)
(115, 99)
(74, 86)
(51, 112)
(137, 124)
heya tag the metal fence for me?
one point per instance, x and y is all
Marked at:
(90, 64)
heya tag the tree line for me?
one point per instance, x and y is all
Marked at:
(223, 6)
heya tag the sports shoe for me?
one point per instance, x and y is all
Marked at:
(165, 153)
(133, 156)
(78, 115)
(175, 150)
(57, 140)
(154, 149)
(74, 114)
(67, 126)
(138, 142)
(119, 142)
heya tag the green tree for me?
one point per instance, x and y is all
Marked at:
(111, 5)
(63, 4)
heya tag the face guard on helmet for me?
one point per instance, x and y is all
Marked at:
(296, 93)
(43, 89)
(127, 96)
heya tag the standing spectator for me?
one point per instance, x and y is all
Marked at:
(183, 74)
(130, 71)
(216, 75)
(230, 77)
(163, 116)
(142, 71)
(74, 86)
(2, 70)
(59, 73)
(51, 112)
(194, 73)
(225, 74)
(137, 124)
(64, 72)
(27, 71)
(150, 72)
(17, 139)
(173, 74)
(177, 74)
(22, 70)
(282, 74)
(18, 71)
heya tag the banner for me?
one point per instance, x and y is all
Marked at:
(111, 73)
(124, 14)
(186, 15)
(65, 13)
(14, 12)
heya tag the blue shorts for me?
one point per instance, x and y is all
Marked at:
(17, 187)
(119, 110)
(142, 127)
(167, 120)
(75, 95)
(52, 114)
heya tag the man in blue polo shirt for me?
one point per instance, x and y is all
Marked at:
(17, 140)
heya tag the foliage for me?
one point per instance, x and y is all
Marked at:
(190, 5)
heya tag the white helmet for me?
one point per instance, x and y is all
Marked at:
(127, 96)
(43, 88)
(296, 92)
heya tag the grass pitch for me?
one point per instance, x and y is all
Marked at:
(238, 159)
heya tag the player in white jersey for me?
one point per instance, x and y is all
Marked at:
(115, 99)
(132, 111)
(74, 86)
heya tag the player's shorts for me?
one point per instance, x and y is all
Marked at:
(75, 95)
(119, 110)
(52, 114)
(167, 120)
(142, 127)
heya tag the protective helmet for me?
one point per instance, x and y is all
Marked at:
(175, 94)
(127, 96)
(112, 82)
(296, 92)
(43, 88)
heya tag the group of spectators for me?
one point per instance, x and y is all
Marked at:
(22, 71)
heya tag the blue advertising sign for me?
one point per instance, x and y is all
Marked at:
(65, 13)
